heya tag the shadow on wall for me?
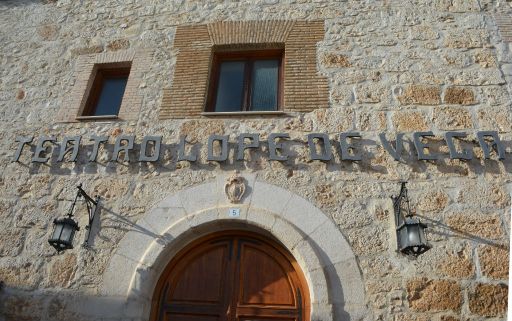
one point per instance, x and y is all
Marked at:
(56, 305)
(441, 229)
(19, 3)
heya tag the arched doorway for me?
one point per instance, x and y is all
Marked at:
(231, 276)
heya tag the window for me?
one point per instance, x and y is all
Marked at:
(107, 91)
(246, 81)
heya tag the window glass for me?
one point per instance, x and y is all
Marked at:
(264, 85)
(230, 88)
(110, 97)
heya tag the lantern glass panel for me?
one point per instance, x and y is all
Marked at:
(57, 231)
(414, 237)
(67, 232)
(403, 236)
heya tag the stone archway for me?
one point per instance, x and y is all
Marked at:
(329, 265)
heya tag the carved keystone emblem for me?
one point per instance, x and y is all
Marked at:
(235, 188)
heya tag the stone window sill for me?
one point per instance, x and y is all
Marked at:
(97, 118)
(244, 113)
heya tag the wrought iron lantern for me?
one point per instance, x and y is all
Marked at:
(65, 228)
(410, 232)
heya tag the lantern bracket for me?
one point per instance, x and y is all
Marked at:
(92, 207)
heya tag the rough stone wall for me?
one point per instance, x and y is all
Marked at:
(392, 66)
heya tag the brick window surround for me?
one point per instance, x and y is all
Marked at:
(85, 70)
(304, 88)
(504, 22)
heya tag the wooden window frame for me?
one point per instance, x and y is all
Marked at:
(110, 71)
(249, 56)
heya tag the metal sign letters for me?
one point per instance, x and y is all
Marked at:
(320, 147)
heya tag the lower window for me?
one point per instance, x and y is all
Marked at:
(107, 91)
(246, 81)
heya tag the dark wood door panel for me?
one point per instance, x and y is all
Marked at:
(203, 309)
(184, 317)
(267, 319)
(203, 278)
(258, 312)
(264, 277)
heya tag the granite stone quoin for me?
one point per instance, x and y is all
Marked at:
(246, 154)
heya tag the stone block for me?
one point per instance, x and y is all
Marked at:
(371, 93)
(353, 213)
(487, 226)
(372, 121)
(507, 69)
(160, 219)
(342, 95)
(457, 265)
(411, 317)
(334, 120)
(319, 290)
(265, 196)
(200, 197)
(330, 240)
(118, 276)
(452, 118)
(304, 215)
(170, 201)
(368, 240)
(426, 295)
(494, 118)
(468, 39)
(423, 32)
(433, 200)
(485, 59)
(421, 95)
(48, 32)
(261, 218)
(111, 188)
(210, 215)
(494, 261)
(307, 256)
(118, 44)
(324, 195)
(459, 96)
(135, 243)
(93, 49)
(333, 60)
(11, 241)
(321, 312)
(409, 121)
(476, 77)
(286, 233)
(380, 266)
(351, 289)
(62, 270)
(21, 274)
(463, 6)
(483, 195)
(196, 130)
(488, 300)
(494, 95)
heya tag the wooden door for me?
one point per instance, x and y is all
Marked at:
(231, 276)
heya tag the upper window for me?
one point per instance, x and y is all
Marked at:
(107, 91)
(246, 81)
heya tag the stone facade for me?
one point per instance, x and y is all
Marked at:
(375, 66)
